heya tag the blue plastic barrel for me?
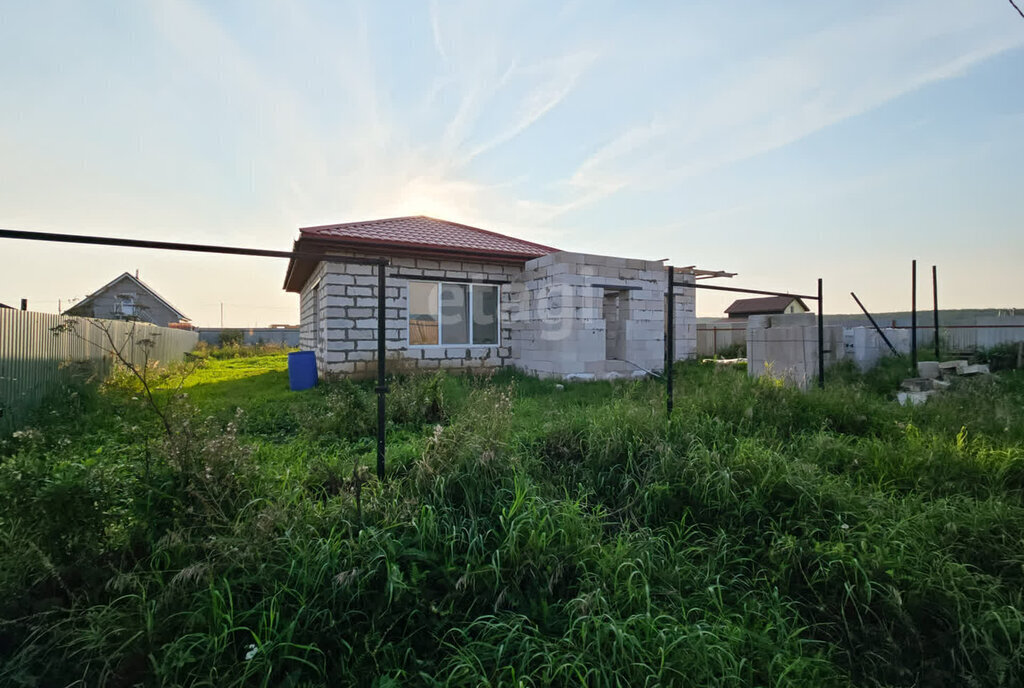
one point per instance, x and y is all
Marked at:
(301, 370)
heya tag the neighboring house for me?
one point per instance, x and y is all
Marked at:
(768, 305)
(463, 297)
(126, 297)
(4, 305)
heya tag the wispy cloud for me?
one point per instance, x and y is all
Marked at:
(799, 88)
(554, 81)
(435, 30)
(493, 90)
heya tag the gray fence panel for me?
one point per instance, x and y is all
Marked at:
(713, 339)
(288, 337)
(35, 360)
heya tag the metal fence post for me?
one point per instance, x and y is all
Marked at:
(382, 388)
(821, 338)
(670, 338)
(913, 316)
(935, 310)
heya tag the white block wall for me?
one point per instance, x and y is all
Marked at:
(311, 319)
(786, 347)
(865, 346)
(558, 321)
(552, 319)
(686, 319)
(347, 317)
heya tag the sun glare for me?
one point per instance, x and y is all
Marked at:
(435, 198)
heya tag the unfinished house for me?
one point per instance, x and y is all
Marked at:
(460, 297)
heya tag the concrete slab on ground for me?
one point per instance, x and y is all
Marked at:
(913, 398)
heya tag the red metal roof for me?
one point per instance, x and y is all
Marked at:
(428, 233)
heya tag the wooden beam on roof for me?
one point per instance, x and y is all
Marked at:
(700, 273)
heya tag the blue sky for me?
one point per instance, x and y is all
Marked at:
(782, 141)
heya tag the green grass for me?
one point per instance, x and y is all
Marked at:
(525, 536)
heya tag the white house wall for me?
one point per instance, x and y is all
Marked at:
(348, 316)
(551, 319)
(311, 319)
(686, 319)
(786, 347)
(560, 327)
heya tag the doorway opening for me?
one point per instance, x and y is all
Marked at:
(615, 309)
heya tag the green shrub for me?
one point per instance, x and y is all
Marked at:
(1001, 357)
(737, 350)
(231, 338)
(234, 348)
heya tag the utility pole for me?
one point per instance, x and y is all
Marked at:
(222, 315)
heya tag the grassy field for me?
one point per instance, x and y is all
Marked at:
(526, 535)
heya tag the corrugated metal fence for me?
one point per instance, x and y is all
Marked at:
(38, 352)
(985, 334)
(285, 336)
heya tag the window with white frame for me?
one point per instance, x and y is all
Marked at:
(452, 314)
(125, 305)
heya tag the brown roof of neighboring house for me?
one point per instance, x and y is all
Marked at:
(763, 305)
(413, 236)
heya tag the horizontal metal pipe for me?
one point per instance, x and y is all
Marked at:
(955, 327)
(173, 246)
(744, 291)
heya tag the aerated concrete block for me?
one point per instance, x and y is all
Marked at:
(953, 367)
(913, 398)
(916, 384)
(978, 369)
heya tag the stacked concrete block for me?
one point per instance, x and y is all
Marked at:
(786, 347)
(865, 346)
(934, 377)
(561, 329)
(312, 330)
(952, 367)
(344, 332)
(685, 320)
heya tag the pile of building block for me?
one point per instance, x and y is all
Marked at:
(933, 377)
